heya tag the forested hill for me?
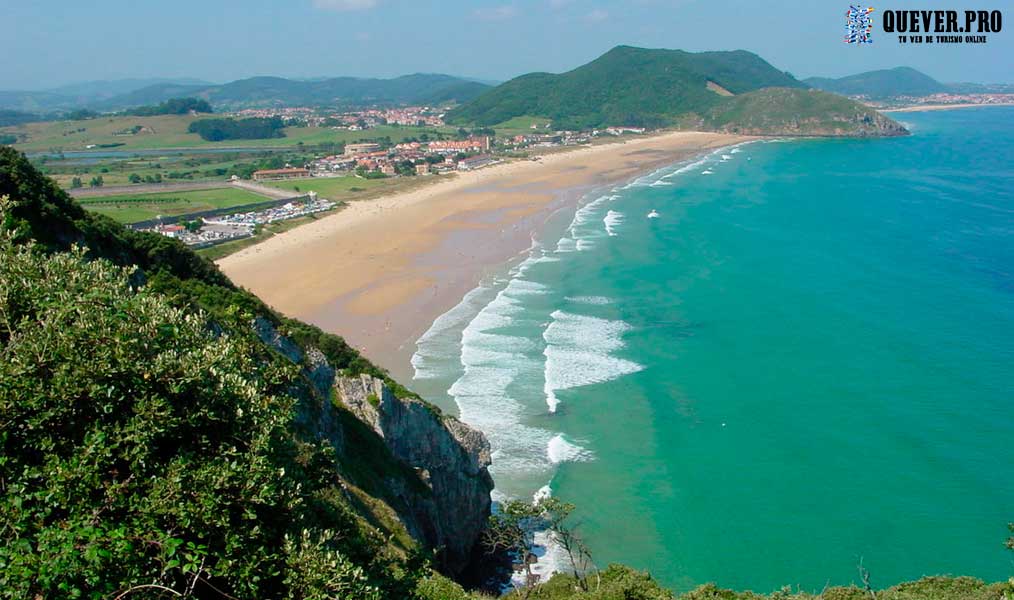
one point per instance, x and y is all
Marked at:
(658, 88)
(626, 86)
(419, 88)
(885, 83)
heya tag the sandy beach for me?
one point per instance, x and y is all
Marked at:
(926, 107)
(380, 271)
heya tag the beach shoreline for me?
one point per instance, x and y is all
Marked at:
(929, 107)
(381, 271)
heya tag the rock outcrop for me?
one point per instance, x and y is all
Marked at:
(450, 457)
(441, 490)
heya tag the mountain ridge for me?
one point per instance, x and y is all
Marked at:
(881, 83)
(252, 92)
(656, 88)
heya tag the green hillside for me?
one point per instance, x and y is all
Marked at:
(165, 432)
(420, 88)
(798, 112)
(885, 83)
(625, 86)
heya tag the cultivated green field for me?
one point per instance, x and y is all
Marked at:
(170, 131)
(334, 187)
(351, 188)
(131, 208)
(522, 126)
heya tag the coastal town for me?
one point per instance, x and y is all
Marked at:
(370, 160)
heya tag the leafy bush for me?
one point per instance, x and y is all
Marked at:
(144, 445)
(256, 128)
(172, 106)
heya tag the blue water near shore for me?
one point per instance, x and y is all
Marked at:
(806, 359)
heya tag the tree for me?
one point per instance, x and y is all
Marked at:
(96, 181)
(76, 183)
(512, 530)
(134, 178)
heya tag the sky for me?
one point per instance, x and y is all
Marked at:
(55, 42)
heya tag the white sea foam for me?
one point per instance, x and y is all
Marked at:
(492, 360)
(432, 346)
(726, 157)
(578, 352)
(566, 244)
(707, 172)
(590, 299)
(612, 220)
(559, 450)
(735, 151)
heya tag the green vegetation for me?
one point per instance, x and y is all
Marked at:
(734, 91)
(149, 437)
(131, 208)
(182, 166)
(622, 583)
(257, 128)
(349, 91)
(885, 83)
(172, 106)
(171, 131)
(790, 111)
(522, 125)
(16, 117)
(350, 187)
(625, 86)
(160, 459)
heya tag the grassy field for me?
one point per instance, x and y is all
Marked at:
(197, 167)
(522, 126)
(170, 131)
(131, 208)
(351, 188)
(336, 187)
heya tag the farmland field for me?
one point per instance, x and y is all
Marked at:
(131, 208)
(170, 131)
(350, 187)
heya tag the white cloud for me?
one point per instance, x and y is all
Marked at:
(597, 15)
(496, 13)
(344, 5)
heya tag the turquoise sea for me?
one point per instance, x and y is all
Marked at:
(805, 360)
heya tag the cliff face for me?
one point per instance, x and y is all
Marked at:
(450, 457)
(440, 487)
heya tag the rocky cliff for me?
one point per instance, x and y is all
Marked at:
(450, 457)
(430, 469)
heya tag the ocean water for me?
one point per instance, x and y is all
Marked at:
(806, 360)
